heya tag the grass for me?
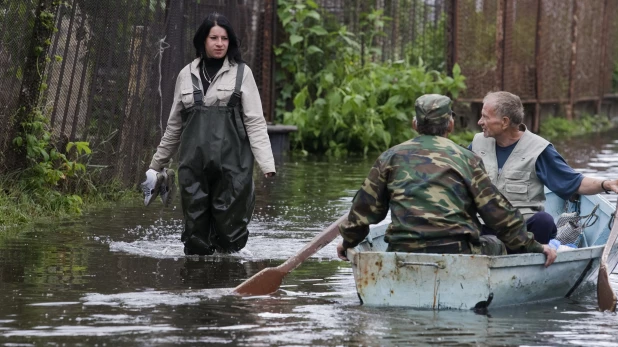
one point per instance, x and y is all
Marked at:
(556, 127)
(20, 205)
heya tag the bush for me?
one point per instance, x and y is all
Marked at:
(340, 100)
(554, 127)
(462, 138)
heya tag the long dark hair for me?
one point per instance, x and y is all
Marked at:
(233, 50)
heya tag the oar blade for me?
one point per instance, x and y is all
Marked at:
(264, 282)
(605, 294)
(606, 297)
(268, 280)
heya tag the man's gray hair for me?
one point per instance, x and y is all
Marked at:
(507, 105)
(427, 128)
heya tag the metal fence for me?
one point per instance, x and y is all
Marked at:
(413, 28)
(112, 70)
(554, 53)
(15, 19)
(113, 64)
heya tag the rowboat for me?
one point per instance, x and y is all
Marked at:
(459, 281)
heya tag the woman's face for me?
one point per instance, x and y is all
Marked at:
(216, 43)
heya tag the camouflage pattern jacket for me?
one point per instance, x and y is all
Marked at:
(434, 189)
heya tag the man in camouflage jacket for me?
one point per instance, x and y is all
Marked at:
(434, 189)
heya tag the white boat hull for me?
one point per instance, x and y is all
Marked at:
(447, 281)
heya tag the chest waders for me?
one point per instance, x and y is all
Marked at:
(215, 174)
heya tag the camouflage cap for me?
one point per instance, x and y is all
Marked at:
(433, 108)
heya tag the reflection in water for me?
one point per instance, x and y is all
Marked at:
(119, 277)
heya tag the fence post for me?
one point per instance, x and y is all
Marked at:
(33, 74)
(570, 106)
(270, 15)
(136, 88)
(536, 122)
(603, 60)
(500, 22)
(451, 35)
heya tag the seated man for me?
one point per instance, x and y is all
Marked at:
(520, 163)
(434, 189)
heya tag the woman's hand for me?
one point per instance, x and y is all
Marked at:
(269, 174)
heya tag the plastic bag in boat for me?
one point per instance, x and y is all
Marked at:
(569, 228)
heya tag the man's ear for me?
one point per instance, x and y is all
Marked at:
(506, 122)
(414, 124)
(451, 126)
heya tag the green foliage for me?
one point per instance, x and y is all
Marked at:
(339, 103)
(19, 204)
(430, 46)
(51, 171)
(53, 176)
(55, 182)
(463, 137)
(555, 127)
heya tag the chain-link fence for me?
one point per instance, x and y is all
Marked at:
(113, 64)
(549, 52)
(112, 70)
(16, 22)
(413, 29)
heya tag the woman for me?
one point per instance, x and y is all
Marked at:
(217, 121)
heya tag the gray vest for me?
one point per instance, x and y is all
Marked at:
(518, 181)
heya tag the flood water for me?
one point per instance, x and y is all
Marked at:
(118, 277)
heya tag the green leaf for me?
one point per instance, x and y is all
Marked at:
(314, 49)
(300, 98)
(329, 77)
(456, 70)
(294, 39)
(31, 140)
(44, 154)
(314, 14)
(359, 100)
(285, 21)
(318, 30)
(311, 4)
(83, 147)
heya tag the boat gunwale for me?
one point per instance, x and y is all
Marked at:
(503, 261)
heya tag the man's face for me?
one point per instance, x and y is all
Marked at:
(491, 124)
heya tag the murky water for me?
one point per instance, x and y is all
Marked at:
(118, 277)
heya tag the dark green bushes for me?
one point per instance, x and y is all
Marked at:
(341, 98)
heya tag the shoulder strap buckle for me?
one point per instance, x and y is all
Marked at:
(236, 95)
(198, 96)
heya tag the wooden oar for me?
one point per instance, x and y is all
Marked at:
(605, 294)
(268, 280)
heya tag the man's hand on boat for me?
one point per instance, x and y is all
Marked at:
(342, 252)
(550, 253)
